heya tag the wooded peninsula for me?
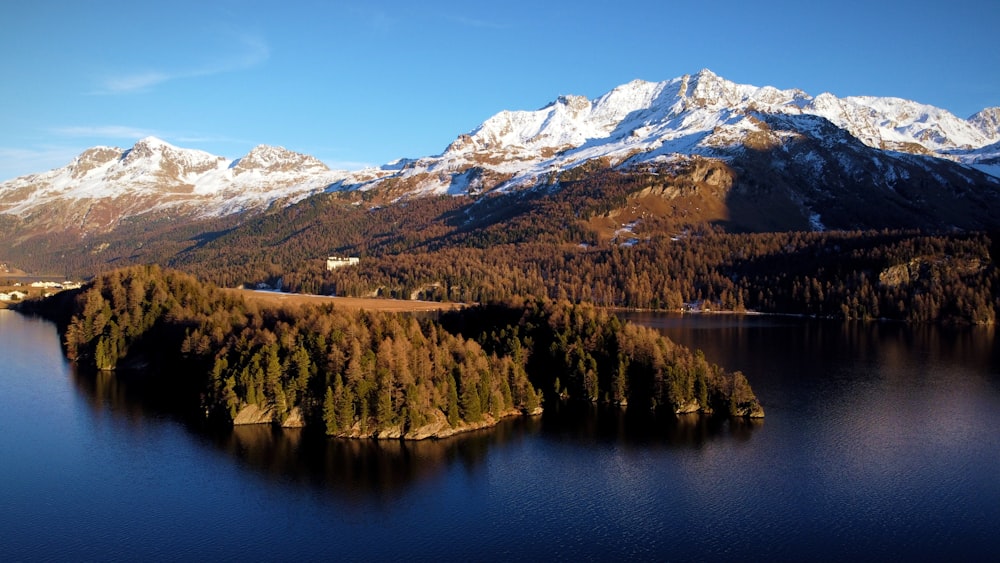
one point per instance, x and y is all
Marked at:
(358, 373)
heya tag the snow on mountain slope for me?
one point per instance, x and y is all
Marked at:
(646, 125)
(894, 122)
(154, 175)
(988, 122)
(701, 114)
(985, 159)
(632, 113)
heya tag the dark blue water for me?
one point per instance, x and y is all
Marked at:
(880, 442)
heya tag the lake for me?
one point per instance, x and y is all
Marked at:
(881, 442)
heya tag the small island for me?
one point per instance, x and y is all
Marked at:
(364, 374)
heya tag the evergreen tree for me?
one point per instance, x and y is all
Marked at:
(453, 415)
(330, 418)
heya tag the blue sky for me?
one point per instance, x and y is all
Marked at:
(357, 83)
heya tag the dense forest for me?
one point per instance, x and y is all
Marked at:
(584, 353)
(359, 374)
(593, 236)
(899, 276)
(497, 248)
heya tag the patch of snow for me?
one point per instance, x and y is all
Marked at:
(815, 222)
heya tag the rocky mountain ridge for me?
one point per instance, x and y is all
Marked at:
(813, 156)
(105, 185)
(705, 115)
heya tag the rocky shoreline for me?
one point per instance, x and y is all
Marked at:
(437, 429)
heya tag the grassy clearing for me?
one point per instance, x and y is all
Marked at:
(370, 304)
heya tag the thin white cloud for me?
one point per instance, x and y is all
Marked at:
(108, 131)
(16, 162)
(253, 51)
(135, 133)
(134, 82)
(197, 138)
(473, 22)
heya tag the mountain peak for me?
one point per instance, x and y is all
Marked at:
(267, 158)
(153, 142)
(92, 158)
(156, 177)
(706, 74)
(159, 157)
(701, 114)
(145, 147)
(987, 121)
(574, 103)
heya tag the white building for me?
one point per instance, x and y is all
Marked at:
(334, 262)
(57, 285)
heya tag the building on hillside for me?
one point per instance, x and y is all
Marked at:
(334, 262)
(13, 296)
(57, 285)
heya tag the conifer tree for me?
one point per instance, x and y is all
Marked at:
(330, 418)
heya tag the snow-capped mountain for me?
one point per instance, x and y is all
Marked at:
(106, 184)
(824, 160)
(703, 114)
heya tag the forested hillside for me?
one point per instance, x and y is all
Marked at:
(597, 236)
(573, 244)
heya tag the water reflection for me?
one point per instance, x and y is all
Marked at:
(781, 355)
(361, 471)
(590, 423)
(366, 471)
(129, 396)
